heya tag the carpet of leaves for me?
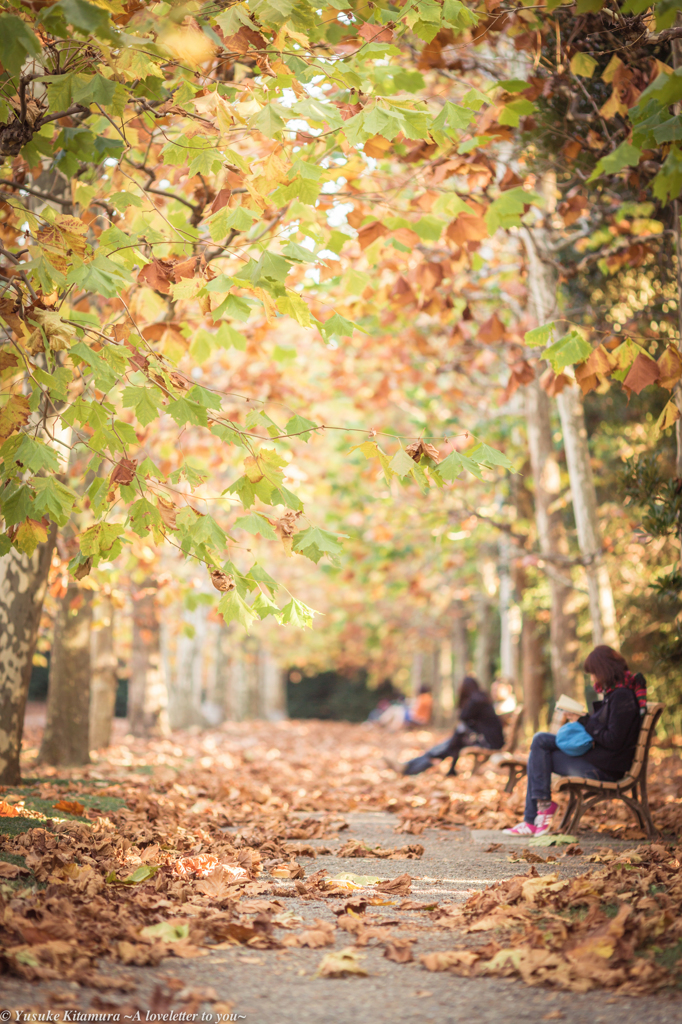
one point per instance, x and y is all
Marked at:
(177, 847)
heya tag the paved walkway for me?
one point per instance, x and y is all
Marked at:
(280, 987)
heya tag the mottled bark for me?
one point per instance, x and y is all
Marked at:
(602, 606)
(532, 671)
(147, 693)
(564, 645)
(22, 590)
(66, 739)
(565, 649)
(103, 682)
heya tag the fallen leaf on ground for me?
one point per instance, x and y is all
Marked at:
(339, 965)
(69, 807)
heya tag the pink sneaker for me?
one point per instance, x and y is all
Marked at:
(543, 820)
(522, 829)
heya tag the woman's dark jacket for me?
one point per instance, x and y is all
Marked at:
(614, 726)
(479, 715)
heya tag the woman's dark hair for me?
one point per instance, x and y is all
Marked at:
(425, 688)
(468, 688)
(608, 666)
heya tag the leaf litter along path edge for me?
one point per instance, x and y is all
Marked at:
(279, 985)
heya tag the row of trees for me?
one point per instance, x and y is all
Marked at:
(229, 230)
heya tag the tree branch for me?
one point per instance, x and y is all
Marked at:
(78, 108)
(34, 192)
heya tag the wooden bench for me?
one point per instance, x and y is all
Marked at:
(631, 789)
(585, 793)
(511, 737)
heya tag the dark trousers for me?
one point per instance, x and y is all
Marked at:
(461, 737)
(545, 758)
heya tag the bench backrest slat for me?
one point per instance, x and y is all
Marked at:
(646, 735)
(512, 729)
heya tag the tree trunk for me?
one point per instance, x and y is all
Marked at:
(552, 540)
(22, 589)
(147, 693)
(460, 650)
(416, 672)
(272, 687)
(564, 645)
(438, 713)
(483, 654)
(602, 608)
(510, 616)
(103, 681)
(66, 740)
(532, 671)
(543, 292)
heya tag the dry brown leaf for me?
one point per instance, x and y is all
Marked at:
(11, 870)
(399, 950)
(322, 933)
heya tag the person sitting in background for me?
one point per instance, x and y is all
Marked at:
(416, 712)
(502, 696)
(613, 726)
(420, 709)
(478, 726)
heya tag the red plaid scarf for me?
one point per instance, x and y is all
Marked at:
(636, 683)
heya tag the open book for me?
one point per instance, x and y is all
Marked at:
(565, 703)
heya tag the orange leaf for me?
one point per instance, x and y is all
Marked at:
(13, 415)
(8, 810)
(491, 331)
(69, 807)
(370, 233)
(644, 371)
(376, 33)
(670, 366)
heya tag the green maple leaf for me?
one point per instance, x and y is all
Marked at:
(145, 402)
(255, 523)
(234, 608)
(268, 120)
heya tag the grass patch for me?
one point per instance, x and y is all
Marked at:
(13, 858)
(668, 958)
(93, 801)
(15, 826)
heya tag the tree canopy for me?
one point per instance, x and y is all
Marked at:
(189, 191)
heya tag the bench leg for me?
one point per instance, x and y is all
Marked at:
(568, 812)
(636, 809)
(651, 829)
(577, 813)
(516, 772)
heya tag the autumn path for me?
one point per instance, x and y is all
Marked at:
(279, 985)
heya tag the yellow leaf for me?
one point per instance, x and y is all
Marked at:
(669, 416)
(368, 448)
(612, 106)
(189, 45)
(611, 68)
(582, 64)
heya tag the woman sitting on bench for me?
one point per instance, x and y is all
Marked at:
(478, 725)
(613, 726)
